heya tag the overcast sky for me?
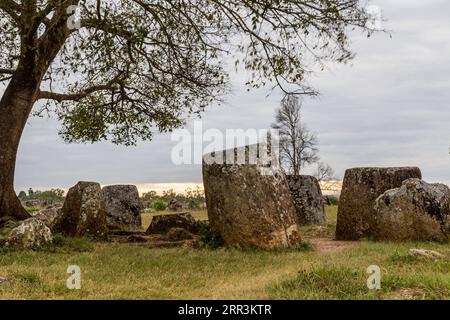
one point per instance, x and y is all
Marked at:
(390, 107)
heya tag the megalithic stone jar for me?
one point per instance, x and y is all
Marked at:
(360, 189)
(249, 209)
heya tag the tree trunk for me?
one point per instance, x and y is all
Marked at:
(19, 97)
(15, 107)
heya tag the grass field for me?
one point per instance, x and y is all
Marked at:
(127, 271)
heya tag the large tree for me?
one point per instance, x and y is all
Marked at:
(128, 67)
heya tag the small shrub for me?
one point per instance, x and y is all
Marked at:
(31, 210)
(210, 239)
(10, 224)
(7, 227)
(334, 200)
(403, 257)
(58, 240)
(3, 249)
(305, 245)
(159, 205)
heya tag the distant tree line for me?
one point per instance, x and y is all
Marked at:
(54, 195)
(191, 199)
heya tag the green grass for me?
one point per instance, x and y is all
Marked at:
(326, 230)
(32, 210)
(343, 275)
(126, 271)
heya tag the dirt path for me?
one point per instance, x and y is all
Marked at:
(329, 245)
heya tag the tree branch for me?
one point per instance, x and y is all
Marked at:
(60, 97)
(7, 71)
(11, 8)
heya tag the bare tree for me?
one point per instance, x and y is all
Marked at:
(129, 68)
(298, 145)
(326, 177)
(324, 172)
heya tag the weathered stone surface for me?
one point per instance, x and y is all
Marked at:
(426, 253)
(123, 206)
(31, 233)
(417, 211)
(248, 209)
(36, 203)
(308, 199)
(178, 234)
(136, 238)
(33, 203)
(121, 232)
(163, 223)
(83, 212)
(194, 243)
(360, 188)
(47, 216)
(4, 280)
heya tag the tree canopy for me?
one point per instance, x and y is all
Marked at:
(126, 67)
